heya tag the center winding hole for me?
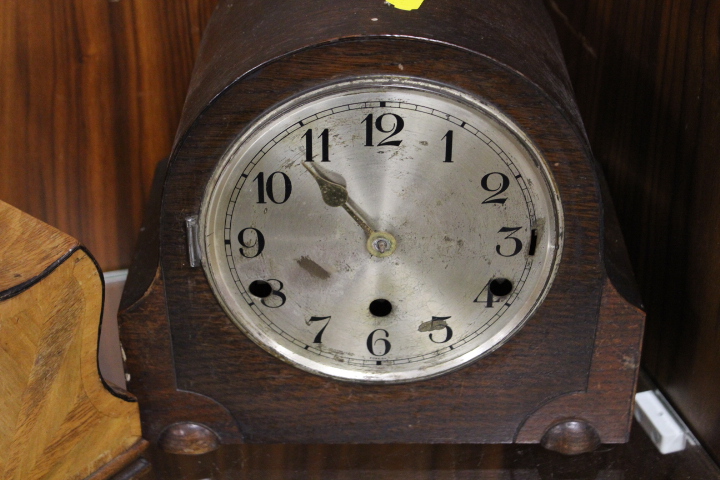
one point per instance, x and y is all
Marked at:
(380, 307)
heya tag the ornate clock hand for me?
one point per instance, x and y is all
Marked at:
(336, 195)
(379, 244)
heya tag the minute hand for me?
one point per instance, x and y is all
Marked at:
(336, 195)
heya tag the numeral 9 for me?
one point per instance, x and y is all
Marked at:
(259, 242)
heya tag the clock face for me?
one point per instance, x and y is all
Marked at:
(381, 230)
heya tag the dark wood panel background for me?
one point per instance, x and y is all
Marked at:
(90, 97)
(647, 78)
(91, 93)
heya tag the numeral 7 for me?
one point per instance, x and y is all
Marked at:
(318, 337)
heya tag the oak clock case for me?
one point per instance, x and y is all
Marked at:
(359, 198)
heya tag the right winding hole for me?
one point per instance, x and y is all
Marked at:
(500, 287)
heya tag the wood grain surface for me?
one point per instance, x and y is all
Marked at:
(647, 79)
(57, 418)
(90, 98)
(262, 35)
(637, 460)
(28, 248)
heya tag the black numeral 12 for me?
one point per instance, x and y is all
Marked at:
(396, 127)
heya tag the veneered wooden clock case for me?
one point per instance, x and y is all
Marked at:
(566, 379)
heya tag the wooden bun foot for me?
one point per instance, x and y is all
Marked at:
(188, 439)
(571, 438)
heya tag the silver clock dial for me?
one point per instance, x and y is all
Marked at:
(381, 230)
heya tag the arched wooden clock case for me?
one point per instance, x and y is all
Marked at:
(566, 378)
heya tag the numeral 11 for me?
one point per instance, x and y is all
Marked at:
(325, 140)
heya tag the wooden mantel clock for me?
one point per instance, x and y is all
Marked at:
(381, 225)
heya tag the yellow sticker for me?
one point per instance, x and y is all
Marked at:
(406, 4)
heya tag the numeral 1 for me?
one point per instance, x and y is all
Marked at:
(448, 146)
(368, 130)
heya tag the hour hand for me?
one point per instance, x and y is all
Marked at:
(333, 194)
(379, 244)
(336, 195)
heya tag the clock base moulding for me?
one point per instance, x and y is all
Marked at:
(188, 423)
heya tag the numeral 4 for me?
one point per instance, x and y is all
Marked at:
(497, 287)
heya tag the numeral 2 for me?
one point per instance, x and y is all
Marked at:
(504, 184)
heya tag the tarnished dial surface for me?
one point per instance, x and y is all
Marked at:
(381, 230)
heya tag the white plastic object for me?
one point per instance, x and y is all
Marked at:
(659, 422)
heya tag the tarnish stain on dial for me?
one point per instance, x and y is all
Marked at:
(431, 325)
(313, 268)
(460, 242)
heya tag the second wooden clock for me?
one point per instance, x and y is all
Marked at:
(381, 225)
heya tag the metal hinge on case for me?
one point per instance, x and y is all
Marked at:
(193, 241)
